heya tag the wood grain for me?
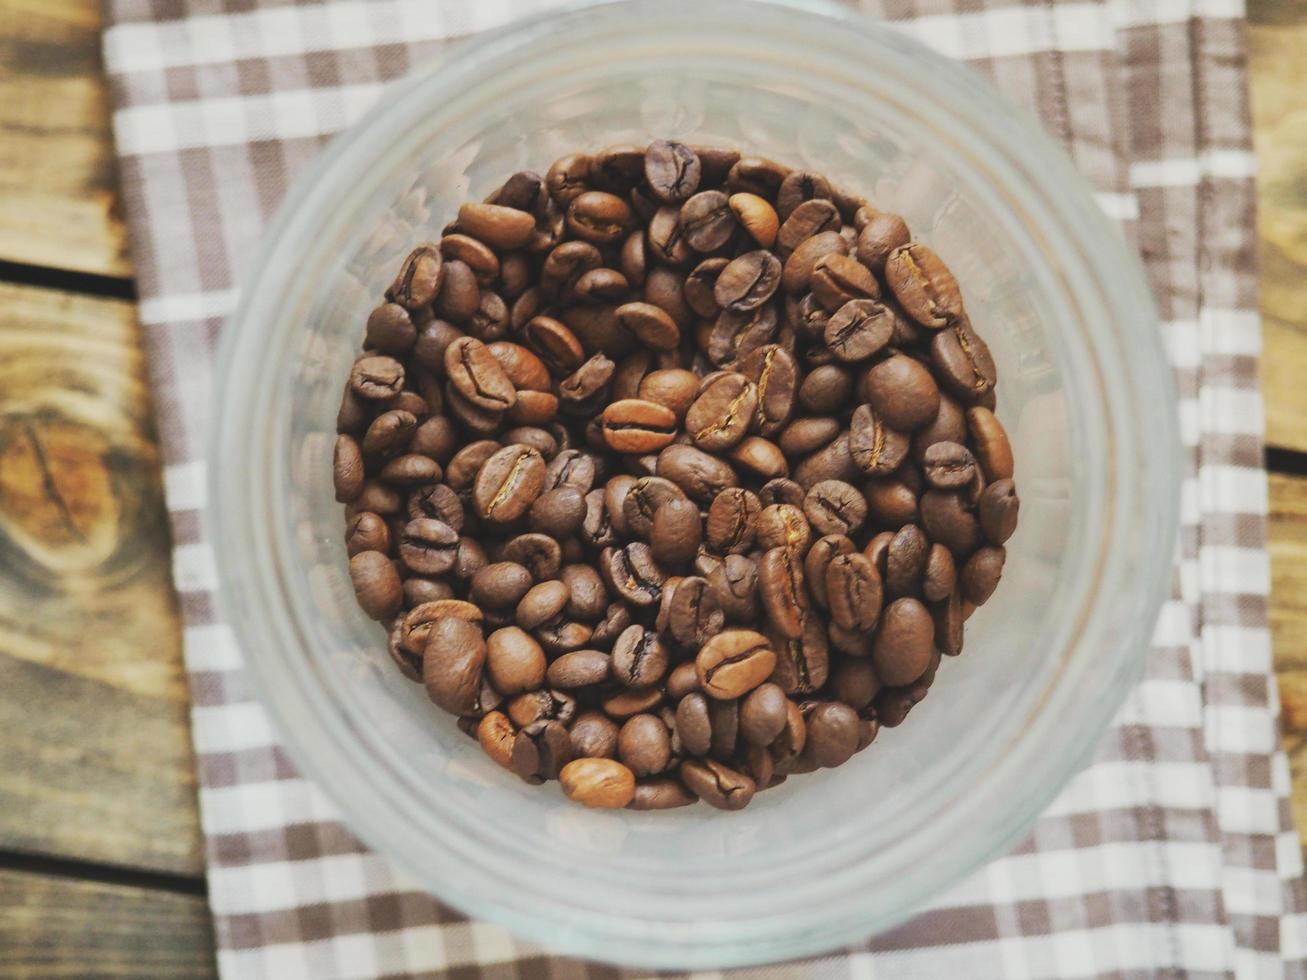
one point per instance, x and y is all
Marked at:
(1278, 73)
(96, 759)
(58, 190)
(53, 928)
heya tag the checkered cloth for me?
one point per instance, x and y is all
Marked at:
(1172, 855)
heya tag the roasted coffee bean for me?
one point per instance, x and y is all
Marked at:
(763, 714)
(632, 701)
(496, 735)
(781, 588)
(661, 794)
(580, 668)
(538, 553)
(833, 732)
(923, 285)
(707, 221)
(508, 483)
(835, 507)
(601, 286)
(672, 170)
(419, 279)
(859, 328)
(673, 388)
(757, 175)
(905, 561)
(732, 520)
(838, 280)
(733, 663)
(348, 471)
(460, 295)
(903, 643)
(855, 683)
(890, 502)
(694, 614)
(717, 785)
(599, 783)
(877, 450)
(853, 591)
(428, 547)
(826, 389)
(389, 433)
(582, 390)
(700, 289)
(991, 444)
(666, 238)
(644, 745)
(640, 658)
(500, 585)
(417, 622)
(881, 235)
(380, 498)
(514, 660)
(735, 582)
(571, 468)
(940, 577)
(497, 225)
(997, 509)
(854, 643)
(805, 222)
(946, 519)
(469, 558)
(594, 735)
(632, 574)
(649, 324)
(902, 391)
(366, 531)
(963, 361)
(784, 526)
(759, 457)
(979, 576)
(635, 426)
(800, 186)
(475, 254)
(454, 656)
(775, 373)
(748, 281)
(568, 178)
(694, 724)
(698, 475)
(375, 378)
(598, 217)
(677, 533)
(757, 216)
(390, 329)
(477, 375)
(541, 705)
(542, 603)
(541, 751)
(734, 335)
(948, 466)
(558, 512)
(376, 584)
(833, 462)
(817, 561)
(436, 437)
(640, 505)
(411, 470)
(797, 274)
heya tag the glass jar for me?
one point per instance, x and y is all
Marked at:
(1085, 392)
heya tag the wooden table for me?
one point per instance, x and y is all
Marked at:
(101, 863)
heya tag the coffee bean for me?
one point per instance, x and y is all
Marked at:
(784, 526)
(460, 295)
(890, 502)
(496, 225)
(800, 186)
(923, 285)
(390, 329)
(500, 585)
(707, 221)
(596, 527)
(677, 533)
(998, 508)
(598, 217)
(428, 546)
(902, 391)
(799, 266)
(496, 735)
(598, 783)
(735, 583)
(541, 751)
(661, 794)
(479, 257)
(817, 561)
(538, 553)
(756, 215)
(366, 531)
(835, 507)
(617, 617)
(947, 520)
(940, 577)
(784, 598)
(541, 705)
(991, 444)
(833, 730)
(834, 462)
(347, 471)
(568, 178)
(877, 449)
(735, 334)
(636, 426)
(717, 785)
(542, 603)
(580, 668)
(855, 683)
(838, 280)
(859, 329)
(732, 520)
(763, 714)
(508, 483)
(376, 377)
(477, 375)
(594, 735)
(733, 663)
(808, 220)
(650, 324)
(694, 724)
(903, 643)
(826, 389)
(759, 457)
(697, 474)
(416, 624)
(581, 391)
(641, 504)
(963, 361)
(853, 591)
(452, 661)
(672, 170)
(515, 661)
(905, 561)
(948, 466)
(980, 575)
(673, 388)
(748, 281)
(376, 584)
(644, 745)
(694, 613)
(639, 657)
(571, 468)
(558, 512)
(881, 235)
(419, 279)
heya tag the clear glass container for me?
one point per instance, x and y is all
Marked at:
(1085, 391)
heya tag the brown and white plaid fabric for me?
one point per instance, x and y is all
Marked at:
(1172, 855)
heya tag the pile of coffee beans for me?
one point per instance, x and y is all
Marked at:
(672, 473)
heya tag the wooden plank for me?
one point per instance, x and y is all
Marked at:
(1278, 72)
(58, 190)
(53, 927)
(96, 759)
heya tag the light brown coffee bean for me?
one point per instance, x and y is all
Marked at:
(733, 663)
(599, 783)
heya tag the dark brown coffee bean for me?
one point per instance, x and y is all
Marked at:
(496, 225)
(598, 217)
(390, 329)
(644, 745)
(478, 376)
(428, 547)
(763, 714)
(666, 238)
(419, 279)
(775, 373)
(817, 561)
(734, 335)
(558, 512)
(733, 663)
(496, 734)
(732, 520)
(903, 643)
(905, 561)
(682, 681)
(596, 527)
(411, 470)
(380, 498)
(376, 584)
(632, 574)
(980, 575)
(998, 509)
(855, 683)
(835, 507)
(542, 603)
(757, 175)
(707, 221)
(641, 504)
(538, 553)
(375, 377)
(923, 285)
(583, 390)
(460, 295)
(722, 413)
(853, 591)
(580, 668)
(718, 785)
(438, 501)
(475, 254)
(602, 286)
(963, 361)
(514, 660)
(859, 329)
(661, 794)
(347, 469)
(389, 433)
(694, 724)
(594, 735)
(808, 220)
(525, 190)
(948, 466)
(697, 474)
(798, 187)
(452, 661)
(756, 215)
(635, 426)
(781, 588)
(417, 622)
(571, 468)
(541, 750)
(694, 612)
(890, 502)
(881, 235)
(677, 533)
(568, 178)
(876, 449)
(650, 324)
(735, 583)
(437, 437)
(838, 280)
(508, 483)
(946, 519)
(941, 574)
(991, 444)
(523, 368)
(826, 389)
(902, 392)
(748, 281)
(541, 705)
(759, 457)
(469, 558)
(797, 274)
(640, 658)
(674, 388)
(834, 462)
(784, 526)
(366, 531)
